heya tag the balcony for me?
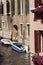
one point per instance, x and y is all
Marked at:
(38, 9)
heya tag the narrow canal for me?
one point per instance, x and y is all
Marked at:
(11, 57)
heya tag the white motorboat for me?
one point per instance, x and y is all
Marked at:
(5, 41)
(17, 46)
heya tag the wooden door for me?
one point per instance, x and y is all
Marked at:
(37, 37)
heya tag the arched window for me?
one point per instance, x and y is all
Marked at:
(16, 27)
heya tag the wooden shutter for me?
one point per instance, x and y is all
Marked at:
(37, 41)
(2, 9)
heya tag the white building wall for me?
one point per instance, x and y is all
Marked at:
(31, 3)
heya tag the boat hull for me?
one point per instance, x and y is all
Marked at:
(17, 47)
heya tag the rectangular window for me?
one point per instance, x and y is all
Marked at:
(13, 7)
(8, 7)
(1, 8)
(28, 28)
(21, 26)
(38, 2)
(27, 6)
(20, 7)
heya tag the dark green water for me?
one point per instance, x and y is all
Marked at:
(11, 57)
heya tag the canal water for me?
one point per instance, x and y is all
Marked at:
(11, 57)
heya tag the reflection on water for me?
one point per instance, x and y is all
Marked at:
(11, 57)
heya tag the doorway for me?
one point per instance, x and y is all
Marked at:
(38, 36)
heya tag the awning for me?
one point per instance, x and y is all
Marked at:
(37, 9)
